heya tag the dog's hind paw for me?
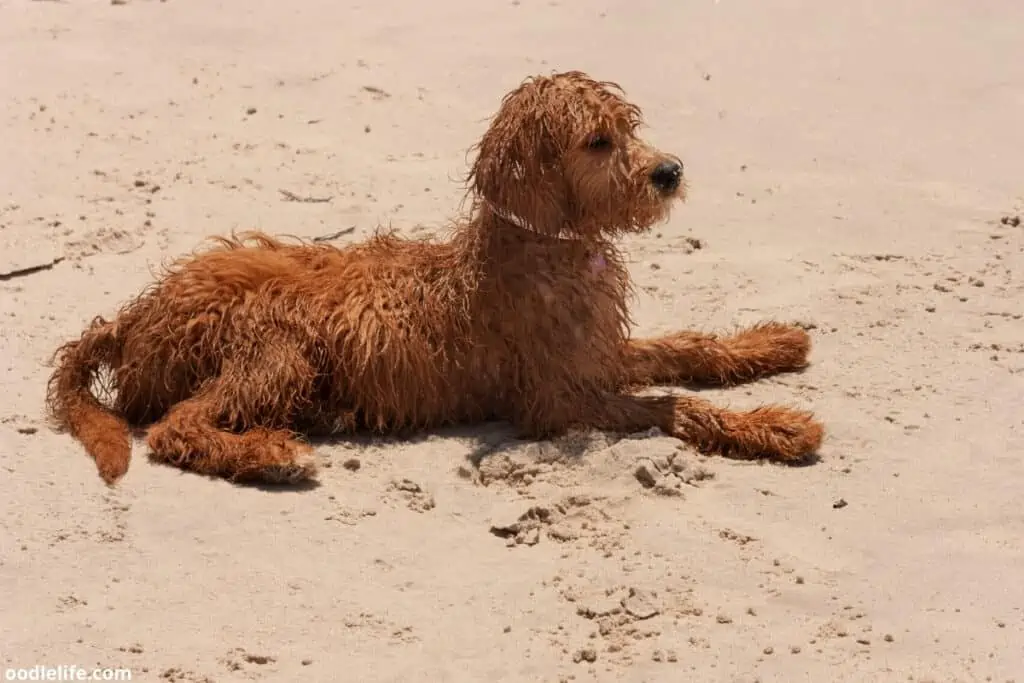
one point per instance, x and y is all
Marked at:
(283, 462)
(303, 469)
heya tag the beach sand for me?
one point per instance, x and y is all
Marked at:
(849, 163)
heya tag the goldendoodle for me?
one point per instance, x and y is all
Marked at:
(521, 315)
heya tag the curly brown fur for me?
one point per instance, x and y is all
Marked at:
(521, 315)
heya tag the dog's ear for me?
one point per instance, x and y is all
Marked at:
(518, 165)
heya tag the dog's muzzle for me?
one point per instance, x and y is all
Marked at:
(667, 176)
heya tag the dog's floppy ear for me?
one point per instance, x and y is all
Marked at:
(517, 169)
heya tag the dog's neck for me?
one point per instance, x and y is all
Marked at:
(597, 258)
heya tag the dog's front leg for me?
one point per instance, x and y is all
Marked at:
(771, 432)
(705, 359)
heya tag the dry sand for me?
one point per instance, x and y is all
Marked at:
(850, 164)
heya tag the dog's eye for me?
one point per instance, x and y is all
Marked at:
(599, 142)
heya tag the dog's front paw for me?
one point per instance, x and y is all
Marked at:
(771, 348)
(774, 433)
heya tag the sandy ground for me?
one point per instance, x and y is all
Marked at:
(850, 164)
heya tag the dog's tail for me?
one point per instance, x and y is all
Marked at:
(73, 406)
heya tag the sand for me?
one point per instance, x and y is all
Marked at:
(850, 165)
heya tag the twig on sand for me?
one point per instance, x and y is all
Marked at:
(29, 270)
(334, 235)
(292, 197)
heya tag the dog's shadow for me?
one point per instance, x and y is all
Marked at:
(283, 487)
(484, 439)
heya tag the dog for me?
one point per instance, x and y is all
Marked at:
(239, 351)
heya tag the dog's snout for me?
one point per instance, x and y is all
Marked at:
(667, 175)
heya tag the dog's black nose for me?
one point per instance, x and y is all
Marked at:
(667, 176)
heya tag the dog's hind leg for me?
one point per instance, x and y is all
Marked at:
(236, 426)
(189, 438)
(703, 359)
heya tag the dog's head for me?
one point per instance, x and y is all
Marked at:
(563, 156)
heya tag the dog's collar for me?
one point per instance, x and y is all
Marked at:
(523, 224)
(598, 262)
(510, 217)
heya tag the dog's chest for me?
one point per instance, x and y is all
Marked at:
(573, 311)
